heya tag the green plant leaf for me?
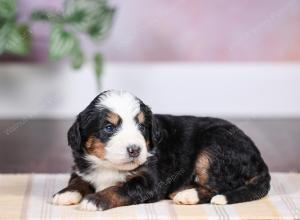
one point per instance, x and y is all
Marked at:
(93, 17)
(101, 24)
(77, 57)
(61, 43)
(78, 12)
(19, 41)
(51, 16)
(5, 30)
(7, 8)
(98, 60)
(76, 17)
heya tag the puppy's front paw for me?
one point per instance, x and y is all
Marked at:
(67, 198)
(186, 197)
(90, 203)
(219, 200)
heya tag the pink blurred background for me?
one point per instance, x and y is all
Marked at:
(194, 30)
(234, 59)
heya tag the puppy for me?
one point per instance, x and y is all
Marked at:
(126, 155)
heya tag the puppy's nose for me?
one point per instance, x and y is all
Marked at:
(133, 150)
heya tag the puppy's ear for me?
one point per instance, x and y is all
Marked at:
(155, 132)
(74, 136)
(153, 126)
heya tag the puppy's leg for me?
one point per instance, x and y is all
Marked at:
(73, 193)
(139, 189)
(256, 188)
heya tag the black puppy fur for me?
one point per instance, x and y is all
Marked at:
(210, 155)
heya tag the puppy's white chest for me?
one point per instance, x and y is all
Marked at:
(103, 178)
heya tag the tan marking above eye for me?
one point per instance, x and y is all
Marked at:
(113, 118)
(95, 147)
(141, 117)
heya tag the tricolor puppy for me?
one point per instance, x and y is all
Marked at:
(126, 155)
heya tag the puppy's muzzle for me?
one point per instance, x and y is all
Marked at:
(133, 151)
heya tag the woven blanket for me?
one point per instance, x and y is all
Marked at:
(27, 196)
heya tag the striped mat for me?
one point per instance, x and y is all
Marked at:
(26, 196)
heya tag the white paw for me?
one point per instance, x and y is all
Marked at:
(186, 197)
(87, 205)
(218, 200)
(67, 198)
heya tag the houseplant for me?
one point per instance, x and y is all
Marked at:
(15, 37)
(91, 19)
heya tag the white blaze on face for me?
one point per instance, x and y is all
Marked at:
(127, 107)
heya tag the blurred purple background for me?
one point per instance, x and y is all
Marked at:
(194, 30)
(252, 76)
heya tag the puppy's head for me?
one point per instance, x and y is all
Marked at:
(114, 131)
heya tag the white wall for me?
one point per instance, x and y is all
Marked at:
(224, 90)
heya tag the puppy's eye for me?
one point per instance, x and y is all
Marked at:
(109, 128)
(141, 127)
